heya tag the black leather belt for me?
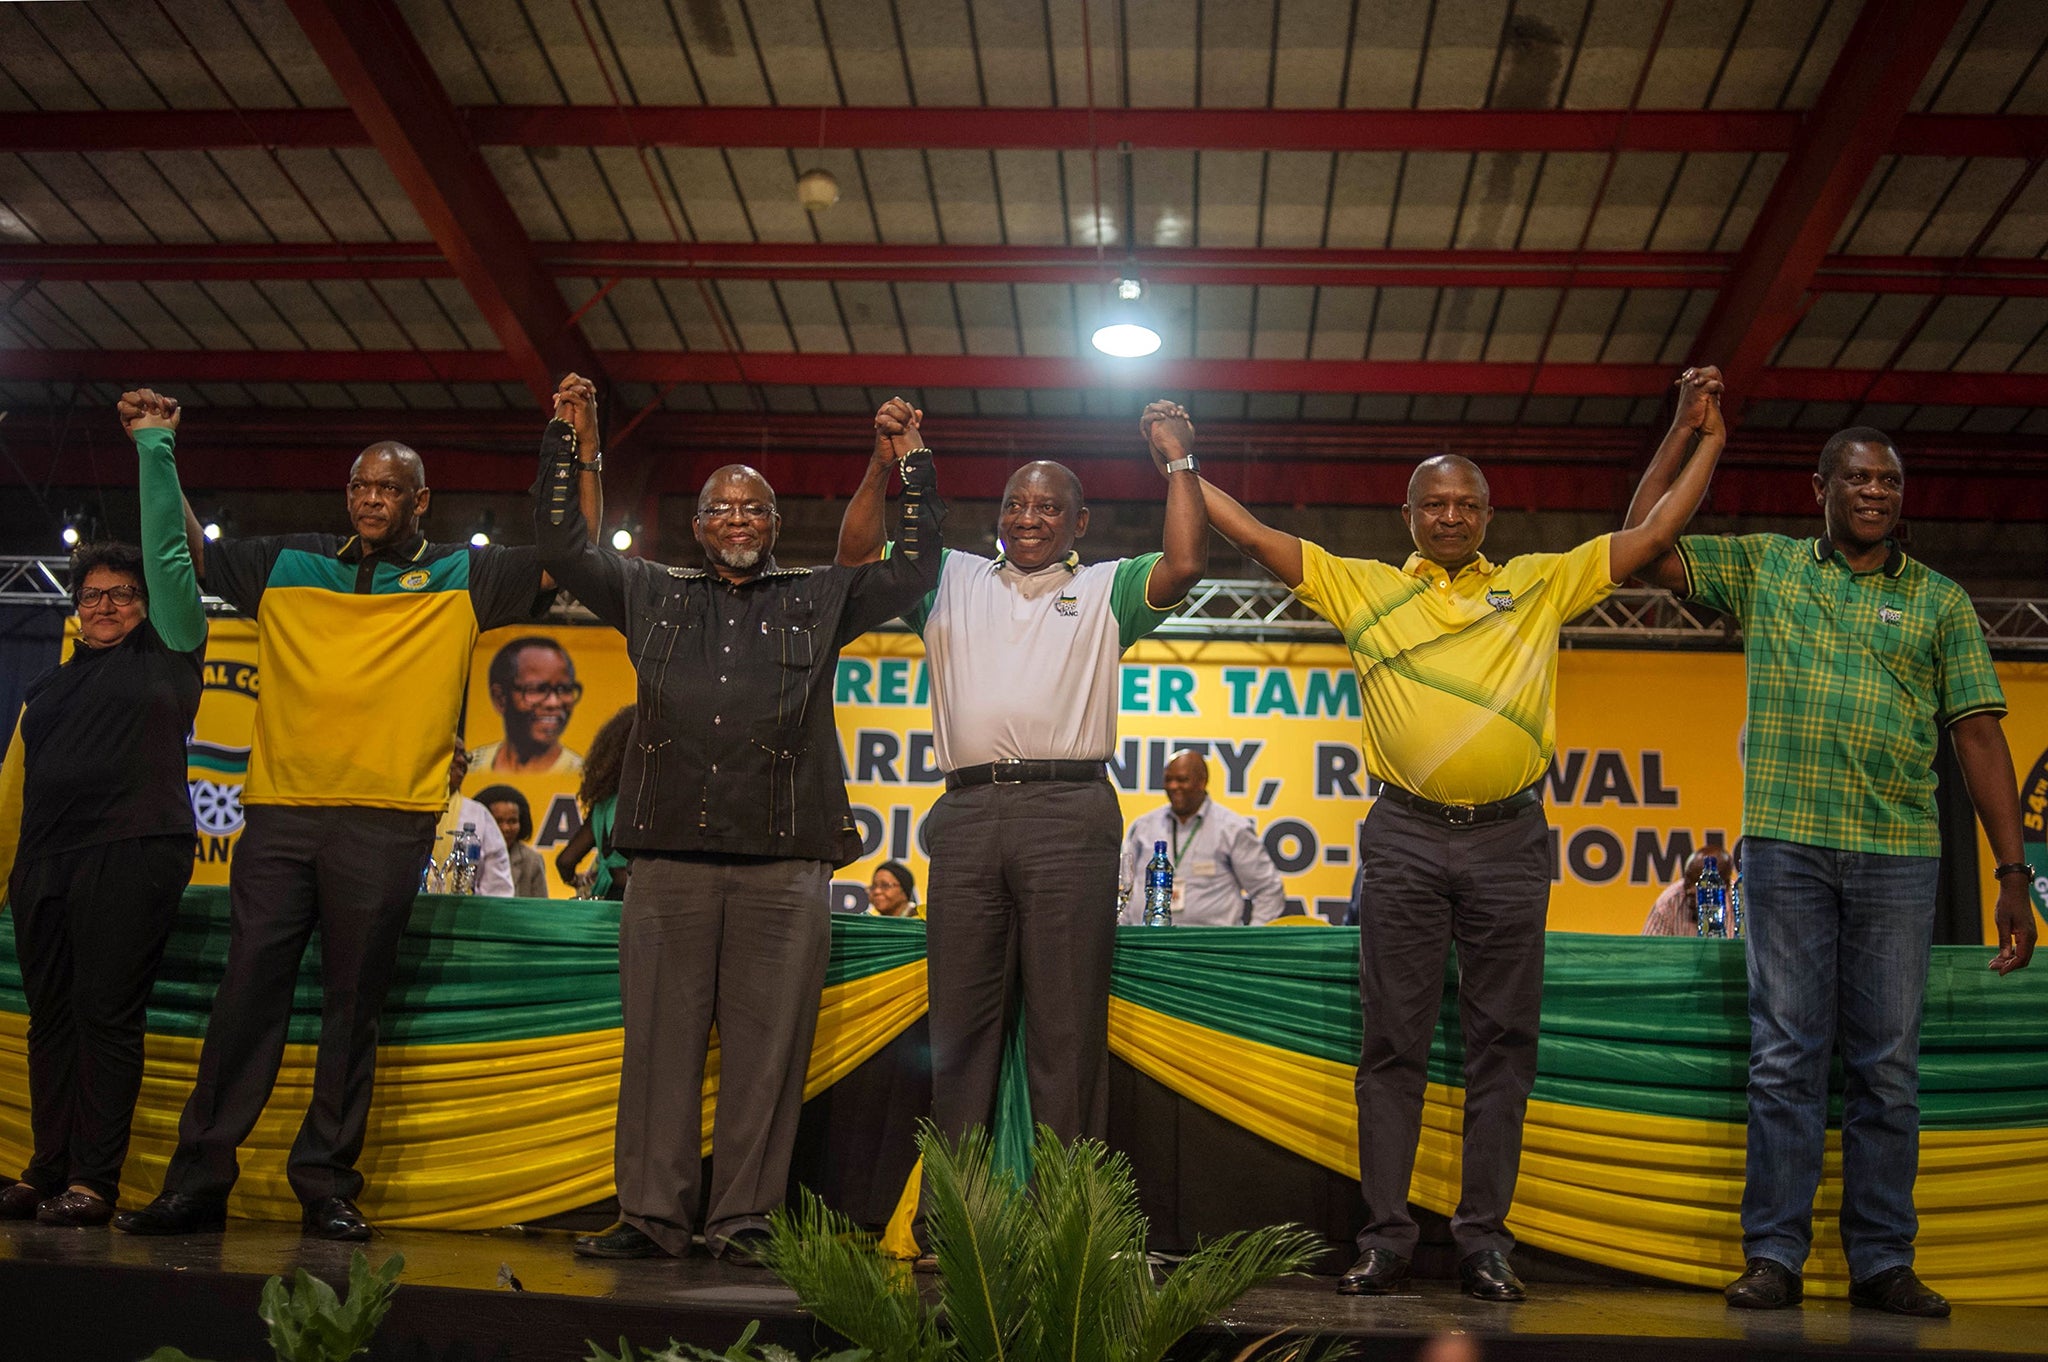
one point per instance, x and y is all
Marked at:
(1463, 815)
(1015, 772)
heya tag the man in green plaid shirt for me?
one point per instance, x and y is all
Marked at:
(1858, 656)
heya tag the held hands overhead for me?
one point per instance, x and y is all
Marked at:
(1699, 401)
(147, 409)
(1168, 432)
(576, 403)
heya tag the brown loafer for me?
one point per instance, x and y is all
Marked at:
(19, 1201)
(79, 1210)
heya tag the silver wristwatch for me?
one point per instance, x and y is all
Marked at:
(595, 464)
(1187, 465)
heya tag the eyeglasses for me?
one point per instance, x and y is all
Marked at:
(535, 691)
(119, 595)
(726, 510)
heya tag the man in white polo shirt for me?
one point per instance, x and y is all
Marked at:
(1023, 651)
(1218, 860)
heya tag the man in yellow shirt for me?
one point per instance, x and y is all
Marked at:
(1457, 663)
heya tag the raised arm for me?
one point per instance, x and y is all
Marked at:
(1635, 550)
(168, 572)
(1986, 759)
(1698, 390)
(860, 528)
(1184, 545)
(880, 591)
(1275, 550)
(598, 576)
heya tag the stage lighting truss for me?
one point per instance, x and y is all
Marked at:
(1262, 610)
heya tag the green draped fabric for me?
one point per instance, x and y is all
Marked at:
(1652, 1025)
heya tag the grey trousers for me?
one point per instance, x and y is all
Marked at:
(1425, 885)
(744, 944)
(1022, 913)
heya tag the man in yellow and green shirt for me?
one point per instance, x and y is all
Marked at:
(1457, 662)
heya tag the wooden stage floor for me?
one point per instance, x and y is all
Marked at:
(88, 1295)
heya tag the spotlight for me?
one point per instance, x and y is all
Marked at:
(211, 529)
(622, 538)
(817, 190)
(78, 527)
(480, 534)
(217, 524)
(70, 536)
(1127, 331)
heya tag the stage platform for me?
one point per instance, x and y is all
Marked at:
(84, 1296)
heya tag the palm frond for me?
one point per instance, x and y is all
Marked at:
(1088, 1270)
(834, 1270)
(978, 1224)
(1216, 1274)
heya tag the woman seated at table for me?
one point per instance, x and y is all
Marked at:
(514, 817)
(892, 892)
(105, 846)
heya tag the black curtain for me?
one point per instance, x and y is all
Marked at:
(1958, 904)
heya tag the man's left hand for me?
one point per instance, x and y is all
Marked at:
(2014, 918)
(576, 403)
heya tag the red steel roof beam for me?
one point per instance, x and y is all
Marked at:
(1880, 68)
(375, 60)
(975, 127)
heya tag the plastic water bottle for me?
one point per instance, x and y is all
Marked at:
(1710, 900)
(1159, 888)
(467, 856)
(1735, 927)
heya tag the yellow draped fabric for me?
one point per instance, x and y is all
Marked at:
(461, 1137)
(1652, 1194)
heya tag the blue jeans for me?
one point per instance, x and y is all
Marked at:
(1838, 949)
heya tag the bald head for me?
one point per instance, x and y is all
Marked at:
(734, 476)
(1186, 782)
(1454, 466)
(1045, 469)
(387, 493)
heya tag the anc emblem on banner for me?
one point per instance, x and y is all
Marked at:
(2034, 829)
(217, 755)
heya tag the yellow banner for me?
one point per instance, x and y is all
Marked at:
(1648, 765)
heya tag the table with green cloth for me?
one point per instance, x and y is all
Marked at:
(498, 1076)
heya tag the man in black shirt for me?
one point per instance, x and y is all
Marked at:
(734, 810)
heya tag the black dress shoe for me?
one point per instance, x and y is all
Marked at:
(1378, 1272)
(1486, 1276)
(1897, 1291)
(620, 1241)
(175, 1213)
(1765, 1284)
(79, 1210)
(745, 1247)
(334, 1217)
(19, 1200)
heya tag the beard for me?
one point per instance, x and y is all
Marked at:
(739, 560)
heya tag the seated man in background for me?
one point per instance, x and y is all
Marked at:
(494, 869)
(1673, 912)
(514, 817)
(1222, 874)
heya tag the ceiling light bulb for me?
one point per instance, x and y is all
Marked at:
(1130, 290)
(1126, 340)
(817, 190)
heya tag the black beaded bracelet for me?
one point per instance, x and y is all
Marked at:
(2027, 871)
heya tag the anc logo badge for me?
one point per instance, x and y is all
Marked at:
(1500, 600)
(2034, 829)
(416, 579)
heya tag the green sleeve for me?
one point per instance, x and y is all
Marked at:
(1965, 682)
(1135, 616)
(167, 573)
(1718, 572)
(918, 615)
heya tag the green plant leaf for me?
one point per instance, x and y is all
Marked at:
(980, 1225)
(1089, 1276)
(1213, 1276)
(837, 1274)
(170, 1354)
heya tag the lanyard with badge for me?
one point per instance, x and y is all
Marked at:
(1194, 830)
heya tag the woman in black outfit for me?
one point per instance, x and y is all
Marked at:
(105, 849)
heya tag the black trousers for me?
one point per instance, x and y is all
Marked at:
(89, 930)
(1023, 914)
(1424, 885)
(352, 873)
